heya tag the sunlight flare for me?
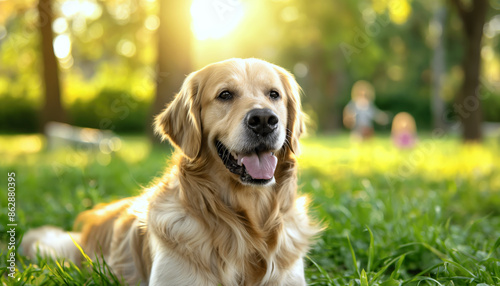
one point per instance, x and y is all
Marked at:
(214, 19)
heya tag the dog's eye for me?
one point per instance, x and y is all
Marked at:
(274, 94)
(225, 95)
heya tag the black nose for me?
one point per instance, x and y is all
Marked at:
(262, 121)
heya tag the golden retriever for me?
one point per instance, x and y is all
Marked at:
(227, 211)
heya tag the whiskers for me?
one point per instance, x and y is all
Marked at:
(223, 152)
(287, 143)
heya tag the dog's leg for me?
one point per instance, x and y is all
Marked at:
(170, 268)
(295, 276)
(52, 242)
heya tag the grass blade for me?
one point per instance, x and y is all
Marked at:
(380, 272)
(371, 251)
(321, 270)
(428, 279)
(81, 250)
(419, 275)
(363, 278)
(494, 248)
(353, 255)
(395, 273)
(460, 267)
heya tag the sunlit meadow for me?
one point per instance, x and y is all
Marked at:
(425, 216)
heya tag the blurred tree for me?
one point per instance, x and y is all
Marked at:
(345, 41)
(467, 103)
(174, 54)
(316, 49)
(52, 108)
(438, 65)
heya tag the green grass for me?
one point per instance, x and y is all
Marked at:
(427, 216)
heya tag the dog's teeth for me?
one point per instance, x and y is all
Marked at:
(234, 155)
(239, 161)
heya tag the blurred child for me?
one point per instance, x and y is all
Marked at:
(360, 112)
(404, 130)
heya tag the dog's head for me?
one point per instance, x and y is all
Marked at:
(242, 112)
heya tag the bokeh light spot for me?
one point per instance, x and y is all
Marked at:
(300, 70)
(60, 25)
(152, 22)
(126, 48)
(70, 8)
(62, 46)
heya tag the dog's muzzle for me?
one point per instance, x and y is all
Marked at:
(256, 163)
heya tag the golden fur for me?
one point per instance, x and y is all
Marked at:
(199, 224)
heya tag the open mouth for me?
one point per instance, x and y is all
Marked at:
(256, 167)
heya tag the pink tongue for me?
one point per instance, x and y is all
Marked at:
(260, 166)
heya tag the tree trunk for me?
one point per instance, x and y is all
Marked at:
(174, 54)
(468, 104)
(333, 115)
(52, 108)
(438, 69)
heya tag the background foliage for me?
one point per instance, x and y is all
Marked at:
(111, 46)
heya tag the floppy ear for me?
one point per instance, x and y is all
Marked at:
(180, 122)
(295, 124)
